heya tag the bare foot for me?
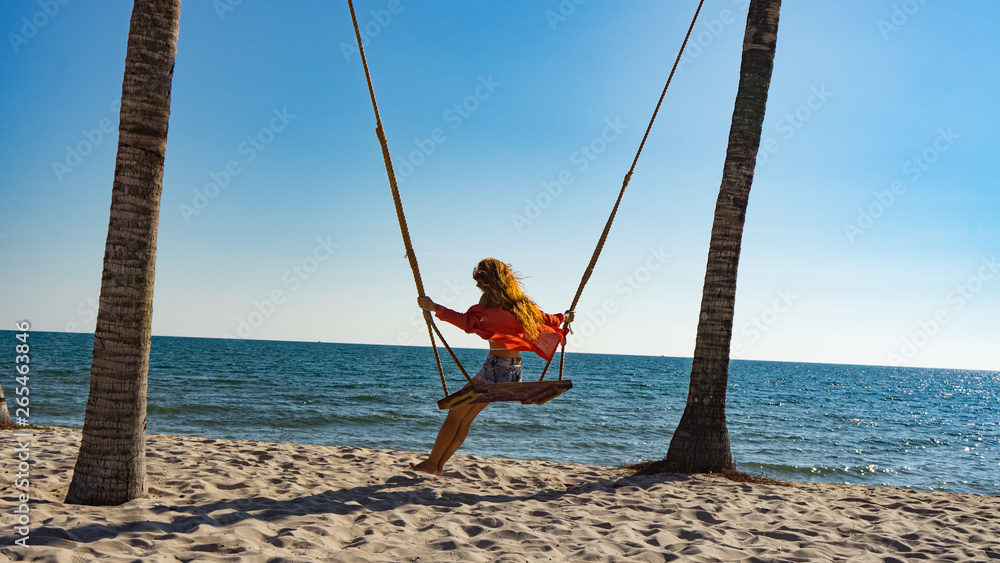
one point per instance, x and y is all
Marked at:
(426, 467)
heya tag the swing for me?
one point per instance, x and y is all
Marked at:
(527, 392)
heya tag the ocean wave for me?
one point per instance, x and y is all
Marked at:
(929, 429)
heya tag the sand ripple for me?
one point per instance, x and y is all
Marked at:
(217, 500)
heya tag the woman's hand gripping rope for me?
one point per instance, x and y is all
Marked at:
(567, 319)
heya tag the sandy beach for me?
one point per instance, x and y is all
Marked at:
(218, 500)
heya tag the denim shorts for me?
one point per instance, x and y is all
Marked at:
(500, 369)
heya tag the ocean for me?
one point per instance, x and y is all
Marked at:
(926, 429)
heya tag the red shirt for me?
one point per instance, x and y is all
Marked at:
(501, 326)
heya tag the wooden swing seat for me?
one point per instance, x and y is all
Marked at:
(528, 392)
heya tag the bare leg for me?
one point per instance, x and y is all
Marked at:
(463, 431)
(453, 432)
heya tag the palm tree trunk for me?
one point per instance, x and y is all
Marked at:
(701, 441)
(5, 421)
(111, 466)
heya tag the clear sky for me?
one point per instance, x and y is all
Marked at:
(872, 234)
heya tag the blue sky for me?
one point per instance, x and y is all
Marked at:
(871, 237)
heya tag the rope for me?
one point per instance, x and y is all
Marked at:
(431, 327)
(410, 255)
(628, 177)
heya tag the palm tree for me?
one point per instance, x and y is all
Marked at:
(701, 441)
(5, 421)
(111, 466)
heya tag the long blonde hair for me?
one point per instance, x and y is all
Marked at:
(503, 289)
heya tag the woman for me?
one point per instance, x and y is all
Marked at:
(511, 322)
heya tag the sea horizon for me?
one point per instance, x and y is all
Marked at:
(444, 353)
